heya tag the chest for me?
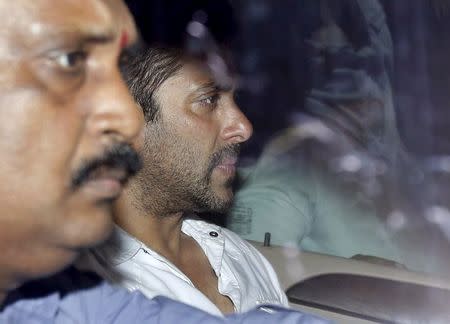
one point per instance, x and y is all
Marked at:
(198, 269)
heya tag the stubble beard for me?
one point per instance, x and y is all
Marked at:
(172, 180)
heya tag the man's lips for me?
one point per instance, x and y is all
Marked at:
(118, 174)
(105, 183)
(228, 165)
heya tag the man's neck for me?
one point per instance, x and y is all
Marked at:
(160, 232)
(163, 234)
(2, 297)
(6, 285)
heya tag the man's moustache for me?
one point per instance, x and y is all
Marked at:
(231, 151)
(118, 157)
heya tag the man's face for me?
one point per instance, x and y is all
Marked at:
(63, 105)
(190, 151)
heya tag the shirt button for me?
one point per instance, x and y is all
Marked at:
(213, 234)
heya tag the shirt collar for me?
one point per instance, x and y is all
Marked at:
(119, 248)
(122, 246)
(199, 228)
(210, 238)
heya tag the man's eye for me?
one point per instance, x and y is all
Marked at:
(71, 61)
(210, 100)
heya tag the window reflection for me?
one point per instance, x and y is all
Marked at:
(349, 104)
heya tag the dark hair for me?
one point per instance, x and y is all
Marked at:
(164, 23)
(146, 70)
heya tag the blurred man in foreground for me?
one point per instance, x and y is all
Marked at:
(67, 119)
(64, 138)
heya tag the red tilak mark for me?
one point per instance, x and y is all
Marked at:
(123, 39)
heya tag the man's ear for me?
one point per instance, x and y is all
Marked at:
(123, 19)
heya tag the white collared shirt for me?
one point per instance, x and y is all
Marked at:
(244, 275)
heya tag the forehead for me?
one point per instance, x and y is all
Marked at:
(195, 74)
(195, 71)
(25, 22)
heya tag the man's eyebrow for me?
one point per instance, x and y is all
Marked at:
(86, 36)
(212, 86)
(98, 38)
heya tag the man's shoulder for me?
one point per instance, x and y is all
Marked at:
(73, 296)
(40, 301)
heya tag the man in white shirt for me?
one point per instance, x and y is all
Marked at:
(189, 147)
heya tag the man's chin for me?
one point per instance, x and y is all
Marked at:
(222, 204)
(88, 230)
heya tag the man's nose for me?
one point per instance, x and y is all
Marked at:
(238, 129)
(115, 112)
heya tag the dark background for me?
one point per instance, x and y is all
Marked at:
(268, 36)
